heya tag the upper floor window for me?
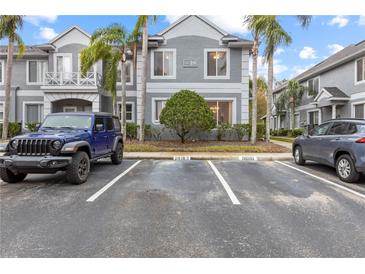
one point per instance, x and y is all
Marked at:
(360, 70)
(216, 64)
(313, 86)
(2, 69)
(36, 71)
(359, 110)
(129, 111)
(129, 73)
(163, 64)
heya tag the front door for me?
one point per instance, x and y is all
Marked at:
(100, 137)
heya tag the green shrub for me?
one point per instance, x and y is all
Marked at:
(222, 130)
(132, 130)
(242, 130)
(14, 129)
(296, 132)
(32, 126)
(283, 132)
(186, 111)
(260, 131)
(156, 133)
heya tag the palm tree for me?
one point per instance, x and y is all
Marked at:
(253, 23)
(275, 35)
(9, 24)
(142, 27)
(109, 44)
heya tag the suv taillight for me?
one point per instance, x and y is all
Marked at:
(361, 140)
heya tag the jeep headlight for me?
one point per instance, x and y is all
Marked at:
(14, 144)
(57, 144)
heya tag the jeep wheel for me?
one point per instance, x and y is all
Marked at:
(9, 177)
(117, 156)
(78, 171)
(298, 156)
(346, 169)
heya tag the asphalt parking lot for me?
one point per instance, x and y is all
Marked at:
(185, 209)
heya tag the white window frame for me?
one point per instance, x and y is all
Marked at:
(319, 115)
(319, 87)
(133, 110)
(153, 108)
(363, 67)
(31, 103)
(61, 54)
(173, 76)
(353, 108)
(228, 59)
(27, 72)
(226, 99)
(130, 83)
(69, 107)
(2, 64)
(2, 103)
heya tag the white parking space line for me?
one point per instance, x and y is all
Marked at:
(225, 184)
(112, 182)
(325, 180)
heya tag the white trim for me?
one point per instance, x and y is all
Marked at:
(55, 55)
(131, 72)
(2, 103)
(319, 115)
(228, 60)
(353, 108)
(153, 108)
(319, 86)
(133, 110)
(27, 72)
(173, 76)
(221, 88)
(31, 103)
(363, 68)
(67, 31)
(358, 95)
(2, 64)
(69, 107)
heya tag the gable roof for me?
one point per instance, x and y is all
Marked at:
(345, 55)
(67, 31)
(336, 92)
(29, 51)
(331, 93)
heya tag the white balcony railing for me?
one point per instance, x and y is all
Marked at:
(90, 79)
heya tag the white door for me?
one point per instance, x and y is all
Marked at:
(64, 66)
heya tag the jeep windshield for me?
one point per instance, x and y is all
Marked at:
(67, 122)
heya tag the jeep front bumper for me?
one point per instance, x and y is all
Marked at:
(34, 164)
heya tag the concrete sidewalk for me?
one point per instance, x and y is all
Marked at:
(283, 144)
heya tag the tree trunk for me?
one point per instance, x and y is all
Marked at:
(254, 90)
(9, 67)
(270, 78)
(124, 99)
(144, 78)
(292, 116)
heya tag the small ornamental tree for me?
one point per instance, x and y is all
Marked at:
(185, 111)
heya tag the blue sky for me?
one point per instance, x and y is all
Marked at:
(325, 35)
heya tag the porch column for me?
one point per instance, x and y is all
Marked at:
(333, 111)
(47, 106)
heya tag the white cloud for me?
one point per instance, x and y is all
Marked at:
(361, 21)
(279, 51)
(334, 48)
(340, 20)
(37, 19)
(231, 23)
(307, 53)
(46, 33)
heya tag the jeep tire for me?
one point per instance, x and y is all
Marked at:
(345, 169)
(79, 169)
(7, 176)
(117, 156)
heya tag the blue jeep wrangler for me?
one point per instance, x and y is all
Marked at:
(64, 141)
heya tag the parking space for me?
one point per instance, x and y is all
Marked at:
(184, 209)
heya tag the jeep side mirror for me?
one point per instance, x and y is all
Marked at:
(99, 127)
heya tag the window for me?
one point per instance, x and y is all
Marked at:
(63, 65)
(1, 112)
(360, 70)
(129, 73)
(129, 111)
(36, 71)
(163, 64)
(109, 123)
(359, 111)
(99, 121)
(159, 105)
(339, 129)
(74, 121)
(313, 118)
(313, 86)
(69, 109)
(33, 112)
(2, 69)
(216, 64)
(321, 130)
(222, 111)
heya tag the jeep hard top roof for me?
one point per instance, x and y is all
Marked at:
(84, 113)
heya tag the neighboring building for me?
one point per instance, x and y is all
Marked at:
(192, 53)
(339, 86)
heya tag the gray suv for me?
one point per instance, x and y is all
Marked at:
(338, 143)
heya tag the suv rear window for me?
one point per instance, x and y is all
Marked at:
(339, 128)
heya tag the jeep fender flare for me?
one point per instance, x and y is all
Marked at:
(73, 147)
(116, 141)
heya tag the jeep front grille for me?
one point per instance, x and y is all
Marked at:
(34, 147)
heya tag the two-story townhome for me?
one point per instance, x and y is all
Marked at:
(192, 53)
(338, 90)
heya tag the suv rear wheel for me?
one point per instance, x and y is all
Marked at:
(78, 171)
(346, 169)
(298, 156)
(7, 176)
(117, 156)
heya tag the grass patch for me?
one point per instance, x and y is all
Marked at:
(283, 139)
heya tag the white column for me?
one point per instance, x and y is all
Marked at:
(47, 106)
(245, 87)
(333, 111)
(96, 104)
(139, 86)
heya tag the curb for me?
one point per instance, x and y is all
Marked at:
(213, 157)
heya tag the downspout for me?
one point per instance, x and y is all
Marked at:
(13, 114)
